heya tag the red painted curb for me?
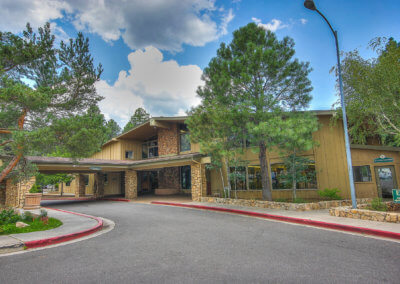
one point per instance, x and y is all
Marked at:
(334, 226)
(116, 199)
(67, 237)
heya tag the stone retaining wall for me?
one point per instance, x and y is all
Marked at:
(365, 214)
(283, 205)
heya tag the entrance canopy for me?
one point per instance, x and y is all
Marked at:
(67, 165)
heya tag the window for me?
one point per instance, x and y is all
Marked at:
(186, 177)
(128, 154)
(237, 178)
(68, 183)
(184, 138)
(150, 148)
(278, 172)
(86, 179)
(362, 174)
(105, 178)
(254, 174)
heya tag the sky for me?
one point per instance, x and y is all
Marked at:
(153, 52)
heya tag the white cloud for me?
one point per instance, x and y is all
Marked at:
(165, 24)
(161, 87)
(16, 13)
(272, 26)
(303, 21)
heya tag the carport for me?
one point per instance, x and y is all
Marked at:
(129, 171)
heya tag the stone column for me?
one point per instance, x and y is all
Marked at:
(131, 182)
(15, 192)
(80, 185)
(199, 183)
(98, 188)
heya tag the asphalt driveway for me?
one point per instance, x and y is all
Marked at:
(160, 244)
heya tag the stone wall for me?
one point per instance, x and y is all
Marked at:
(131, 182)
(282, 205)
(80, 186)
(15, 192)
(169, 178)
(168, 140)
(199, 183)
(364, 214)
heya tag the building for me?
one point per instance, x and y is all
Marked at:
(157, 158)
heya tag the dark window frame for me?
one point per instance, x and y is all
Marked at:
(359, 176)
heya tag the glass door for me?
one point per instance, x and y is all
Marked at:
(386, 180)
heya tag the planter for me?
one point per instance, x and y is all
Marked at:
(32, 200)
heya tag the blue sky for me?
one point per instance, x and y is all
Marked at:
(153, 52)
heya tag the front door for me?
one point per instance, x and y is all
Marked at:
(386, 180)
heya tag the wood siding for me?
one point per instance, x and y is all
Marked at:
(365, 157)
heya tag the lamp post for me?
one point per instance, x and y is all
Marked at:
(309, 4)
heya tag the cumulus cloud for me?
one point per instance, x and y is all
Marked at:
(16, 13)
(303, 21)
(272, 26)
(161, 87)
(166, 25)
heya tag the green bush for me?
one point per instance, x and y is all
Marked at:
(299, 200)
(35, 189)
(378, 205)
(9, 217)
(330, 193)
(27, 217)
(280, 200)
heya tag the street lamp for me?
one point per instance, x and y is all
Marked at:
(309, 4)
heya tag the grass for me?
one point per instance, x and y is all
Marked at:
(34, 226)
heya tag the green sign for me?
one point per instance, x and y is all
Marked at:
(95, 168)
(396, 195)
(383, 160)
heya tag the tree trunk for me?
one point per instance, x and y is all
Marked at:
(294, 182)
(228, 179)
(222, 179)
(265, 181)
(15, 160)
(62, 188)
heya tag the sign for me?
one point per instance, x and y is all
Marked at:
(383, 160)
(396, 195)
(95, 168)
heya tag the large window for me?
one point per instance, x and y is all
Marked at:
(362, 174)
(128, 154)
(237, 178)
(184, 138)
(150, 148)
(186, 177)
(254, 174)
(278, 171)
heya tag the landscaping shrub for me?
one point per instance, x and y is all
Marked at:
(35, 189)
(280, 200)
(9, 217)
(299, 200)
(378, 205)
(330, 194)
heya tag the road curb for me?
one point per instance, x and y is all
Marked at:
(321, 224)
(116, 199)
(67, 237)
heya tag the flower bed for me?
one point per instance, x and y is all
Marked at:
(283, 205)
(362, 212)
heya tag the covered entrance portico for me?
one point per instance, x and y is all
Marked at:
(179, 174)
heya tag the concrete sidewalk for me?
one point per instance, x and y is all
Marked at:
(72, 224)
(315, 215)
